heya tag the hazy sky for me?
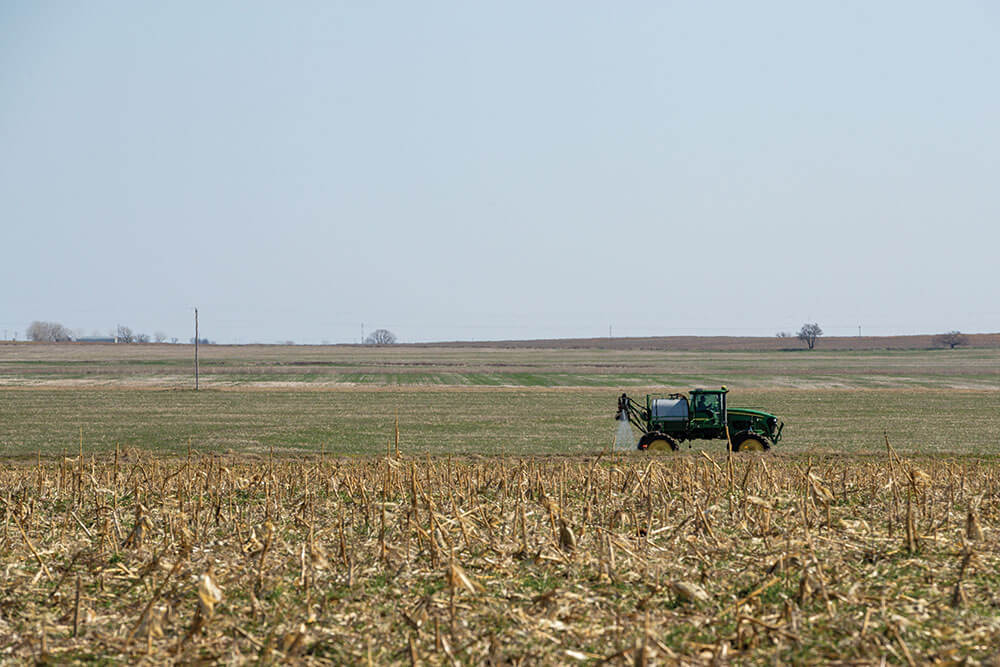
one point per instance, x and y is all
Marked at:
(475, 170)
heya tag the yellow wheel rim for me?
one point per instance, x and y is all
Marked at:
(660, 445)
(751, 445)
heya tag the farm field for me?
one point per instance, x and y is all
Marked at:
(626, 559)
(261, 519)
(298, 399)
(451, 420)
(171, 366)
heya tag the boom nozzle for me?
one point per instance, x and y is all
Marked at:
(622, 413)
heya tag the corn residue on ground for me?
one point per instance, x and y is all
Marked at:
(629, 559)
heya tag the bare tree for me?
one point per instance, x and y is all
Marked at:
(783, 334)
(159, 336)
(142, 338)
(50, 332)
(123, 334)
(381, 337)
(809, 333)
(951, 340)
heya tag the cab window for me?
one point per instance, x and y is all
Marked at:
(707, 405)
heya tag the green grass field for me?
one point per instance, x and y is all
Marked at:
(475, 400)
(564, 406)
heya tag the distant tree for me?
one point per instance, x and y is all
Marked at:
(174, 340)
(809, 333)
(142, 338)
(201, 341)
(159, 336)
(783, 334)
(123, 334)
(49, 332)
(951, 340)
(381, 337)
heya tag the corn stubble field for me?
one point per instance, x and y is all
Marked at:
(620, 558)
(266, 523)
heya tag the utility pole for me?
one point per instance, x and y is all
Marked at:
(859, 331)
(196, 349)
(362, 333)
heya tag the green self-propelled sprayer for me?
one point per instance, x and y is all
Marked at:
(703, 414)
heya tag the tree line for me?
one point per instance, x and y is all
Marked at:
(54, 332)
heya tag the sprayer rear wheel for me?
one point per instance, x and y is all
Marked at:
(657, 442)
(750, 442)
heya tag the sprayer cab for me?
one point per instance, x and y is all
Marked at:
(702, 414)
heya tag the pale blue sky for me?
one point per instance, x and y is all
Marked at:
(507, 170)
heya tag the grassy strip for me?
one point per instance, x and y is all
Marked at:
(473, 420)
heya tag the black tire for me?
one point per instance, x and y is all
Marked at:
(750, 442)
(657, 442)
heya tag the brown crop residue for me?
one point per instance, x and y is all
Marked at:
(629, 559)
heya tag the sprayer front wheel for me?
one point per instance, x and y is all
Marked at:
(750, 442)
(658, 442)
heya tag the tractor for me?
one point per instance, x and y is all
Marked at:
(668, 420)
